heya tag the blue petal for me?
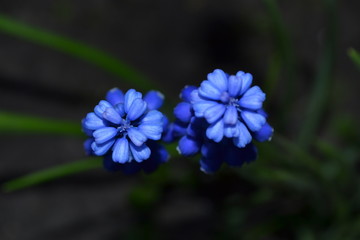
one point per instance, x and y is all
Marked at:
(87, 146)
(201, 106)
(110, 165)
(130, 97)
(231, 131)
(209, 91)
(165, 121)
(185, 94)
(262, 112)
(219, 79)
(121, 151)
(86, 130)
(151, 125)
(115, 96)
(151, 131)
(140, 153)
(158, 152)
(197, 127)
(238, 156)
(215, 112)
(102, 149)
(246, 79)
(252, 99)
(231, 115)
(101, 107)
(93, 122)
(173, 131)
(168, 134)
(216, 131)
(104, 134)
(153, 117)
(158, 156)
(244, 136)
(179, 128)
(119, 108)
(253, 120)
(137, 137)
(212, 157)
(112, 115)
(210, 165)
(234, 86)
(264, 134)
(195, 97)
(182, 111)
(136, 109)
(154, 99)
(188, 146)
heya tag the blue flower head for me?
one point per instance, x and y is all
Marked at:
(122, 126)
(232, 107)
(219, 120)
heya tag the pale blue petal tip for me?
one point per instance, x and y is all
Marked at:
(154, 99)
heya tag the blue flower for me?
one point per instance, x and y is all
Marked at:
(120, 126)
(184, 115)
(231, 106)
(187, 126)
(215, 154)
(219, 120)
(158, 156)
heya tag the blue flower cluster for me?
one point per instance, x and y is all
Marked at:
(220, 118)
(123, 128)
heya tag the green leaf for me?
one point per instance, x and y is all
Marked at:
(284, 51)
(355, 57)
(323, 79)
(52, 173)
(77, 49)
(17, 123)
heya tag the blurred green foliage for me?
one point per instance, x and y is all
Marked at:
(355, 57)
(11, 123)
(303, 189)
(77, 49)
(52, 173)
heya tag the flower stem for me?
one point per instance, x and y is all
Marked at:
(53, 173)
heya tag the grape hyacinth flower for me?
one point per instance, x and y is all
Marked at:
(202, 130)
(215, 154)
(124, 128)
(231, 106)
(158, 156)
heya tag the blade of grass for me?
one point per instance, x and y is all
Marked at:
(355, 57)
(77, 49)
(284, 54)
(322, 81)
(16, 123)
(52, 173)
(56, 172)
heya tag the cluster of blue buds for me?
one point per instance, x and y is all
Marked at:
(219, 119)
(124, 129)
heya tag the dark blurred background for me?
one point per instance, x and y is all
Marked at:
(175, 43)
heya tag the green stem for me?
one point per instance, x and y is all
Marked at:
(355, 57)
(52, 174)
(284, 56)
(322, 82)
(17, 123)
(77, 49)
